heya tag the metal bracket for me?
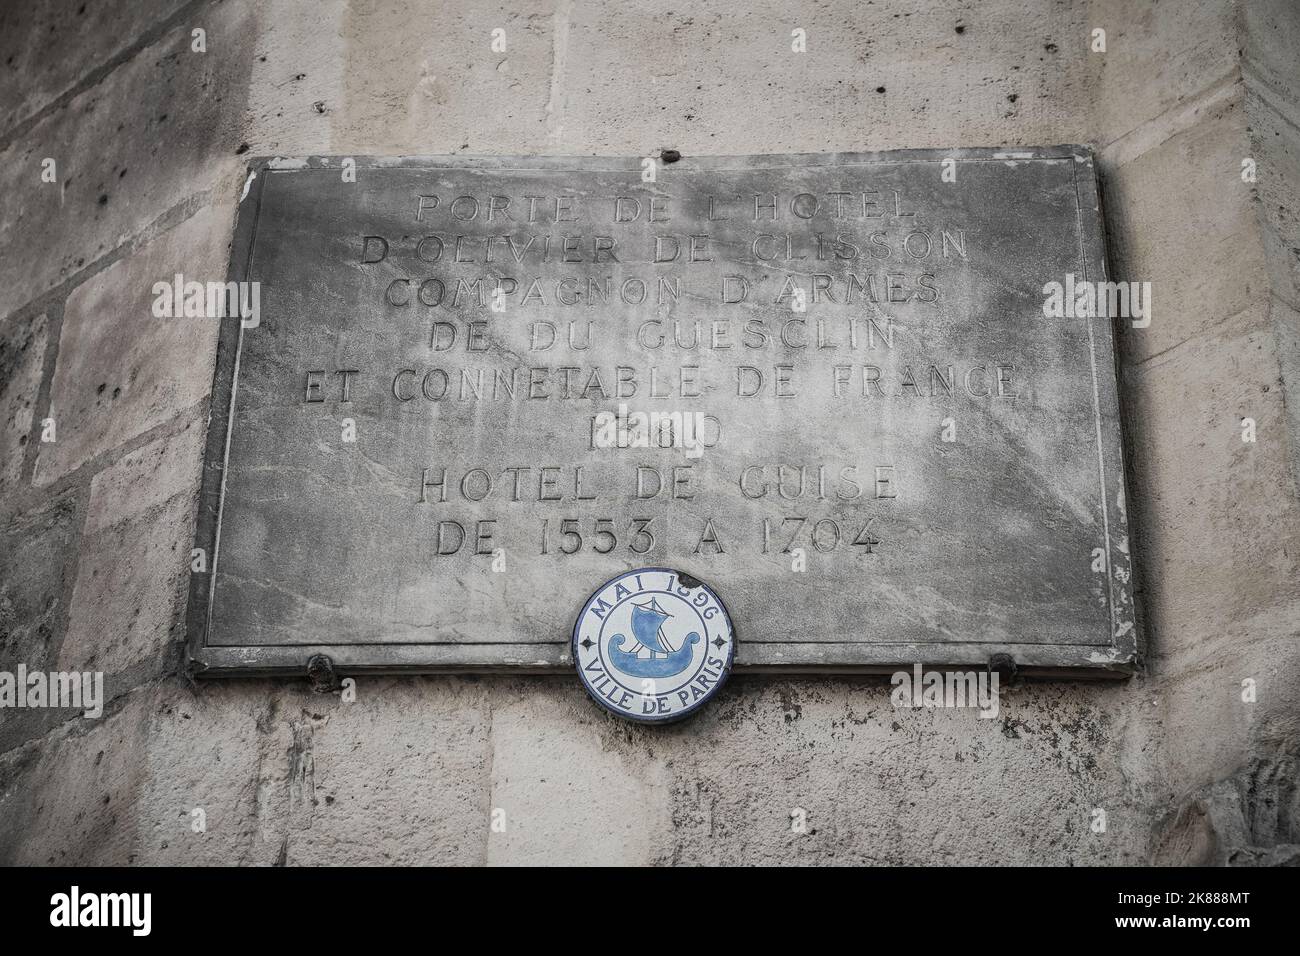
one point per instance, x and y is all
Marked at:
(1005, 665)
(320, 671)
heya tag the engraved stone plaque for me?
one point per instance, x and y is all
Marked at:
(476, 388)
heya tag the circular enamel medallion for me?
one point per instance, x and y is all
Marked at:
(653, 645)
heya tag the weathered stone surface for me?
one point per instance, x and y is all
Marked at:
(1206, 499)
(1140, 79)
(1275, 147)
(70, 797)
(398, 776)
(120, 371)
(444, 89)
(156, 131)
(723, 788)
(34, 568)
(356, 79)
(930, 76)
(1272, 33)
(1211, 686)
(1286, 326)
(1239, 803)
(149, 476)
(410, 774)
(299, 65)
(786, 375)
(22, 367)
(212, 753)
(565, 792)
(46, 48)
(1196, 241)
(122, 611)
(37, 561)
(1220, 825)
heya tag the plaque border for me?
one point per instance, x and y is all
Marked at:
(1118, 658)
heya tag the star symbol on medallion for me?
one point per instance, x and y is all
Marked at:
(718, 641)
(588, 643)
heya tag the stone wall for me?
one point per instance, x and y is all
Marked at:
(149, 139)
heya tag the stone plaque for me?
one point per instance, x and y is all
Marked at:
(474, 389)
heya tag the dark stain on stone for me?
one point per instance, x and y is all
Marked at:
(1010, 728)
(792, 708)
(266, 720)
(687, 580)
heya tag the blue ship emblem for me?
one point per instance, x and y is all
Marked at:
(647, 631)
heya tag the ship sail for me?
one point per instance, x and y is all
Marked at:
(646, 621)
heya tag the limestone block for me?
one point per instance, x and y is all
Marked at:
(1215, 539)
(1180, 217)
(120, 371)
(566, 790)
(22, 367)
(703, 80)
(53, 45)
(1158, 57)
(157, 130)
